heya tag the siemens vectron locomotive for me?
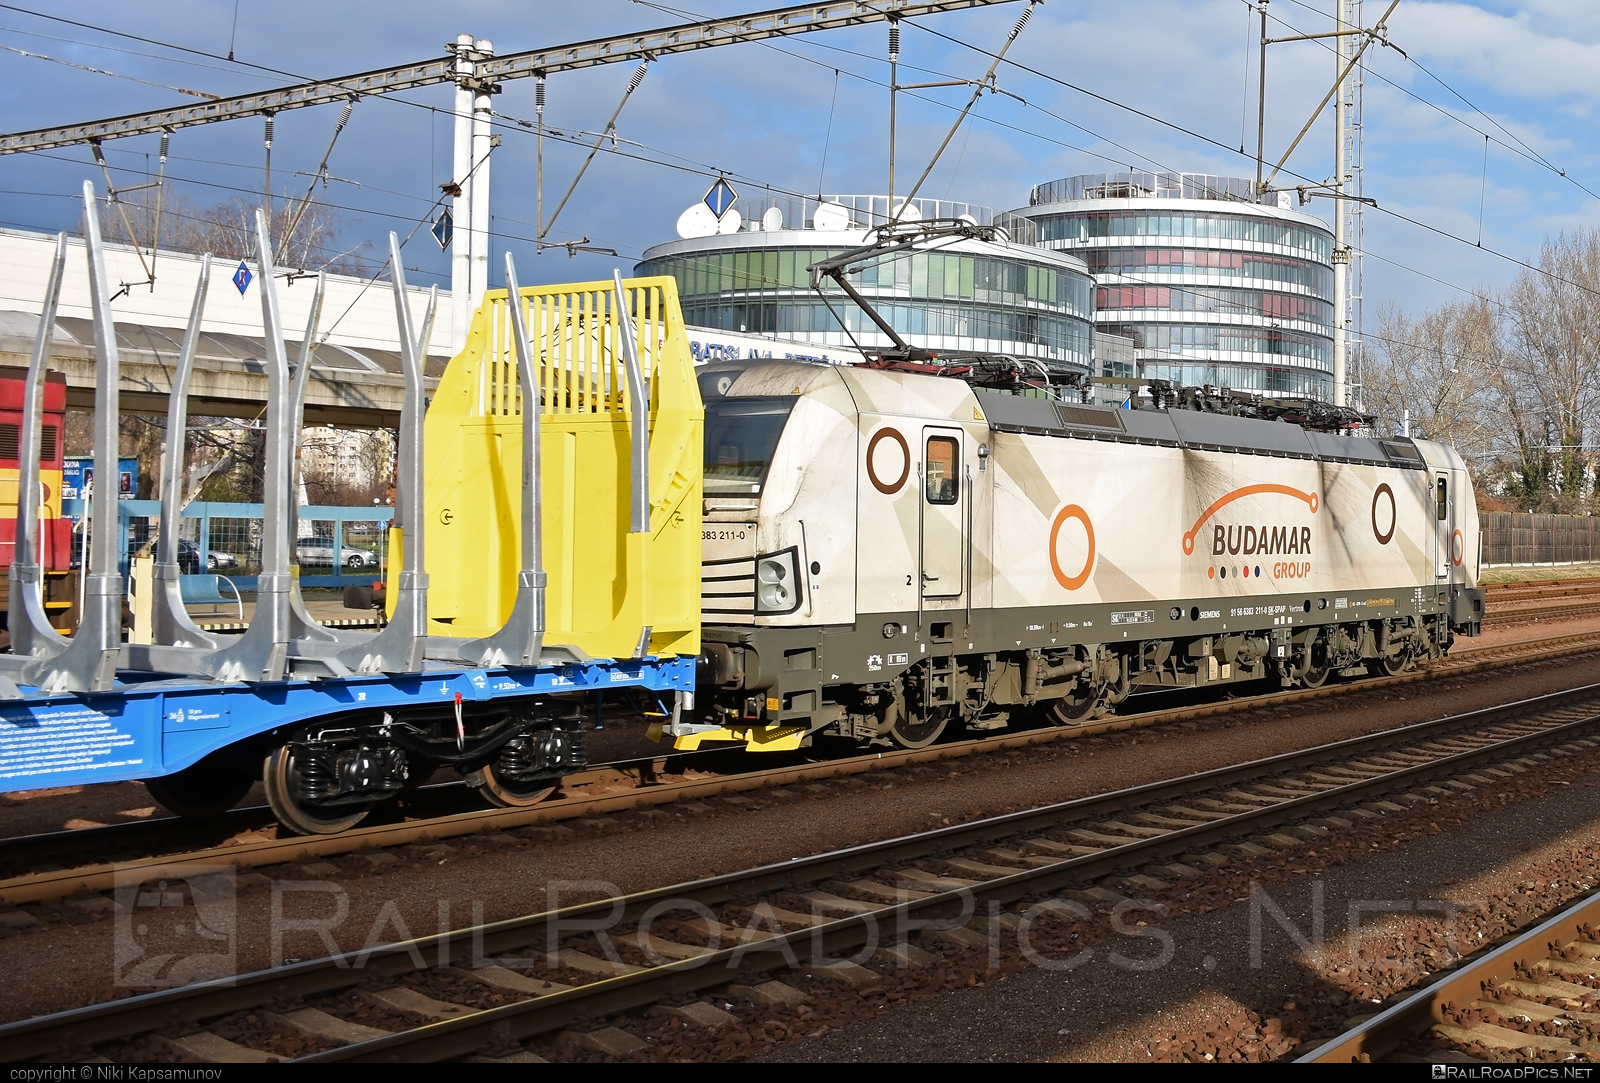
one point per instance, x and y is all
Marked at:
(887, 553)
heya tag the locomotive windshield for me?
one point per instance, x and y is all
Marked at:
(740, 437)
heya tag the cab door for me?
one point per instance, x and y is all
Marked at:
(943, 512)
(1444, 525)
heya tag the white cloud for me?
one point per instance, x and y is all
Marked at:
(1521, 54)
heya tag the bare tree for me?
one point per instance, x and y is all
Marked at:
(1552, 380)
(348, 467)
(1512, 380)
(227, 230)
(1440, 369)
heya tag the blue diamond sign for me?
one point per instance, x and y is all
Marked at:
(444, 227)
(720, 197)
(242, 277)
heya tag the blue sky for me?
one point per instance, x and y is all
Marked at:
(765, 114)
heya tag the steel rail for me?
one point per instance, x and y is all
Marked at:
(1524, 614)
(1578, 586)
(1425, 1007)
(683, 38)
(524, 1019)
(52, 1034)
(60, 883)
(57, 845)
(1556, 589)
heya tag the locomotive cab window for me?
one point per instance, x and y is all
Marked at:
(1443, 491)
(740, 437)
(942, 473)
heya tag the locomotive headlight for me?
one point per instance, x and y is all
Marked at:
(774, 589)
(778, 582)
(774, 596)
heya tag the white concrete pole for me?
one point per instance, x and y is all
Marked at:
(482, 113)
(461, 303)
(1341, 258)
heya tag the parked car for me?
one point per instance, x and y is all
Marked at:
(189, 559)
(319, 553)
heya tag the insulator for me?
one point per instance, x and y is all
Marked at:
(1022, 22)
(269, 131)
(165, 138)
(538, 94)
(344, 116)
(894, 41)
(638, 77)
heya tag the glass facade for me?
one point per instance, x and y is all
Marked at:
(1210, 288)
(966, 297)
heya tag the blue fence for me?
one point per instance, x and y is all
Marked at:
(349, 543)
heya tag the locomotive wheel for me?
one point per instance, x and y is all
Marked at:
(1316, 674)
(500, 792)
(1392, 667)
(1078, 709)
(910, 732)
(281, 780)
(1315, 677)
(199, 791)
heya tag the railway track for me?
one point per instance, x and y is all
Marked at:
(1533, 589)
(783, 930)
(649, 789)
(139, 839)
(1522, 614)
(1513, 603)
(1535, 993)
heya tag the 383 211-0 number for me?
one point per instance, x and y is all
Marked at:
(725, 535)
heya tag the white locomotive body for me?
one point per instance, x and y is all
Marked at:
(886, 553)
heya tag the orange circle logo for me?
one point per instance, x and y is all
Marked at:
(888, 488)
(1072, 582)
(1458, 549)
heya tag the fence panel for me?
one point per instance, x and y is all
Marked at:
(338, 546)
(1511, 538)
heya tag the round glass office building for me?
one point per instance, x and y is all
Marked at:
(954, 297)
(1210, 286)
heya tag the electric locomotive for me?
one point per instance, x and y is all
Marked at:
(887, 553)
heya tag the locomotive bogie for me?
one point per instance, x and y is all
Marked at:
(912, 552)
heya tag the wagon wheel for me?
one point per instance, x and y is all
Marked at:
(1077, 708)
(200, 791)
(280, 777)
(500, 792)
